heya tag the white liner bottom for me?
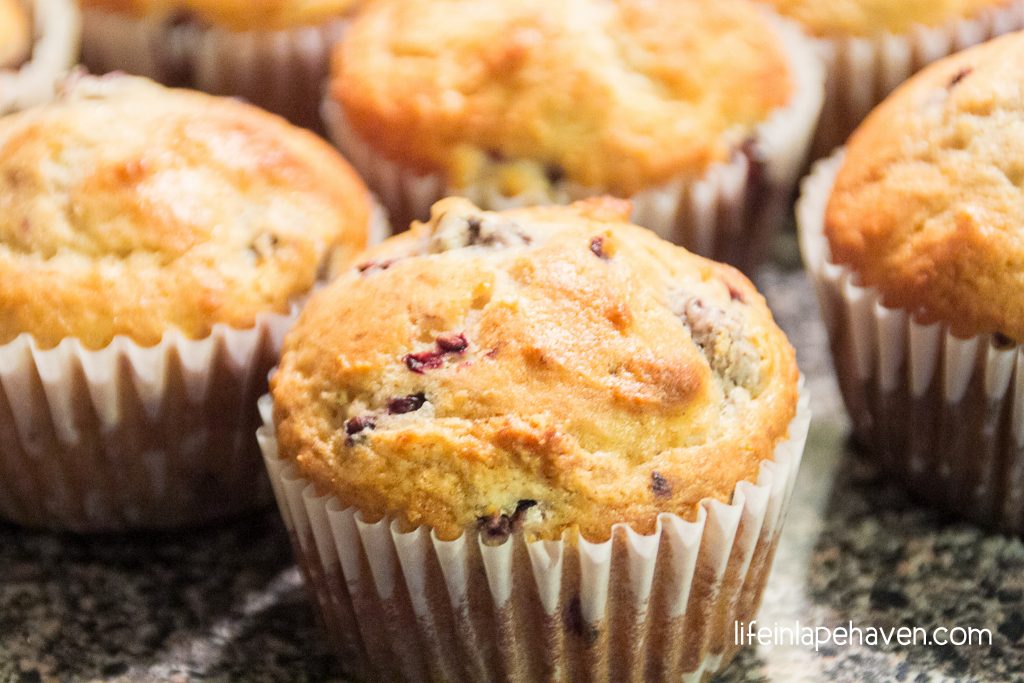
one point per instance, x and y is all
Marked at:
(861, 71)
(57, 28)
(134, 437)
(945, 414)
(282, 71)
(730, 214)
(407, 606)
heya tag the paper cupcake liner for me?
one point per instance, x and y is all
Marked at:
(944, 414)
(57, 30)
(134, 437)
(861, 71)
(404, 605)
(729, 214)
(281, 71)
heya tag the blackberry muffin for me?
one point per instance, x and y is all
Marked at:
(38, 44)
(274, 53)
(153, 244)
(914, 237)
(698, 111)
(871, 46)
(547, 393)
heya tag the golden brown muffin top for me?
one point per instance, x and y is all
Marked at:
(127, 208)
(928, 206)
(235, 15)
(549, 368)
(613, 94)
(873, 17)
(15, 33)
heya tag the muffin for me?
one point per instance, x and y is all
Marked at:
(274, 53)
(153, 245)
(699, 111)
(554, 441)
(913, 237)
(38, 44)
(871, 46)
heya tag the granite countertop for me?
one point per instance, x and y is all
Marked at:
(226, 603)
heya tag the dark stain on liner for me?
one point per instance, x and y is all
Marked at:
(757, 164)
(572, 619)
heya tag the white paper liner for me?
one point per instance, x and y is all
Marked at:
(861, 71)
(408, 606)
(945, 414)
(282, 71)
(57, 30)
(729, 214)
(134, 437)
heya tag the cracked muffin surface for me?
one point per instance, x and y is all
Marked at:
(620, 95)
(874, 17)
(235, 15)
(128, 209)
(929, 201)
(549, 369)
(15, 34)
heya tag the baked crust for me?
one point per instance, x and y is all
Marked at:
(929, 202)
(15, 33)
(875, 17)
(551, 368)
(619, 95)
(128, 209)
(236, 15)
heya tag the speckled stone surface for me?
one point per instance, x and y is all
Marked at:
(227, 604)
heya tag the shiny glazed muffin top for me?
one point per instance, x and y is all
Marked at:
(235, 15)
(546, 368)
(617, 95)
(128, 208)
(928, 206)
(873, 17)
(15, 33)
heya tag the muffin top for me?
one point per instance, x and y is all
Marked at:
(235, 15)
(617, 95)
(543, 368)
(873, 17)
(128, 208)
(15, 33)
(928, 206)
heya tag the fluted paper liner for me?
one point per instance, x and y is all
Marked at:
(134, 437)
(406, 605)
(861, 71)
(945, 414)
(56, 30)
(282, 71)
(729, 214)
